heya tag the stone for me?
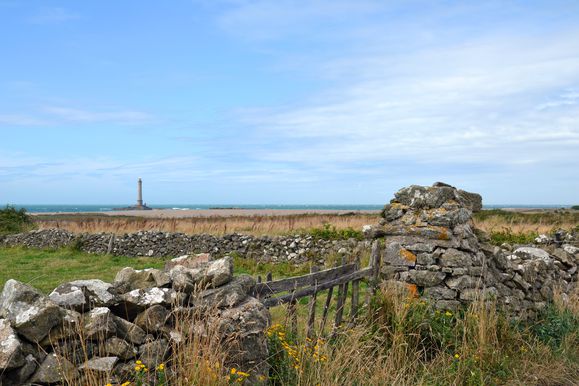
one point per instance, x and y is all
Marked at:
(200, 260)
(244, 326)
(226, 296)
(129, 331)
(120, 348)
(571, 249)
(152, 319)
(220, 271)
(440, 292)
(455, 258)
(99, 324)
(54, 369)
(11, 355)
(542, 239)
(100, 364)
(154, 353)
(70, 327)
(186, 279)
(470, 294)
(462, 282)
(138, 300)
(472, 201)
(564, 257)
(531, 253)
(20, 375)
(82, 295)
(131, 279)
(31, 313)
(426, 278)
(397, 255)
(425, 259)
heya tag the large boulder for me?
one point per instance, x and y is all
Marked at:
(82, 295)
(31, 313)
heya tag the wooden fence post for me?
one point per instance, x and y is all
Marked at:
(341, 300)
(375, 264)
(310, 330)
(355, 295)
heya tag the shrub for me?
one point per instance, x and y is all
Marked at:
(329, 232)
(14, 221)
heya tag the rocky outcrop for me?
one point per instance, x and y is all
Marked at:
(298, 248)
(430, 244)
(91, 327)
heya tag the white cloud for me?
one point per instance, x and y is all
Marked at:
(77, 115)
(52, 16)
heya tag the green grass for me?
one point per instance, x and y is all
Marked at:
(46, 269)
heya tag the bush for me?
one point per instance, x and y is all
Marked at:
(329, 232)
(14, 221)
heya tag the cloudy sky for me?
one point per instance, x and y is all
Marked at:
(287, 102)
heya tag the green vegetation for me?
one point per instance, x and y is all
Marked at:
(14, 221)
(407, 341)
(46, 269)
(552, 218)
(330, 232)
(575, 207)
(507, 236)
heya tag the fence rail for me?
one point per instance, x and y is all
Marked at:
(290, 290)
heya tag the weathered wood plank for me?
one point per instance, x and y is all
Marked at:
(326, 310)
(273, 287)
(292, 313)
(375, 267)
(310, 330)
(355, 297)
(307, 291)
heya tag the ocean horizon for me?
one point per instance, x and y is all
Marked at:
(79, 208)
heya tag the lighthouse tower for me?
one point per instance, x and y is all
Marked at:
(140, 194)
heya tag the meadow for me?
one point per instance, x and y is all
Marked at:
(396, 339)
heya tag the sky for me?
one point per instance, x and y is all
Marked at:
(287, 102)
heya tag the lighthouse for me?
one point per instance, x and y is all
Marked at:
(140, 193)
(140, 205)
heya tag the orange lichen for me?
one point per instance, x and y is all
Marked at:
(443, 235)
(412, 290)
(407, 255)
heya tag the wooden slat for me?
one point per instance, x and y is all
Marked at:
(375, 267)
(273, 287)
(292, 314)
(326, 310)
(355, 297)
(307, 291)
(310, 330)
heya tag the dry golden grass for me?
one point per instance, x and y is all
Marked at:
(253, 225)
(488, 221)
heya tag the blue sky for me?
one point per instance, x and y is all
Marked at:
(304, 102)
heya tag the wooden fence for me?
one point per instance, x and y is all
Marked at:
(290, 290)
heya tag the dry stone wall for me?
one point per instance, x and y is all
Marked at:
(89, 328)
(298, 248)
(430, 244)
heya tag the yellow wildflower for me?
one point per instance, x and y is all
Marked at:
(161, 367)
(448, 313)
(233, 370)
(456, 356)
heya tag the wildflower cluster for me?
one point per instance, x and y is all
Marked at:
(314, 349)
(236, 376)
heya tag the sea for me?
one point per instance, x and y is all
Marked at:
(36, 208)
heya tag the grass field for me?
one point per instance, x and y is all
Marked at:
(490, 221)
